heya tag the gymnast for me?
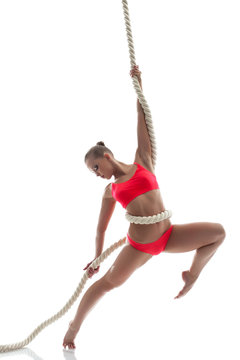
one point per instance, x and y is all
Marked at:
(137, 190)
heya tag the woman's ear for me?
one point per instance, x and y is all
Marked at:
(107, 156)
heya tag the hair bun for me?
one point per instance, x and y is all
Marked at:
(101, 143)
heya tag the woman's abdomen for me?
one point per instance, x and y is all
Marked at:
(147, 204)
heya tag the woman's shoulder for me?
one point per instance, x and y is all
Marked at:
(145, 161)
(108, 192)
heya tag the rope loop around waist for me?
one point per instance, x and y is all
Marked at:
(149, 219)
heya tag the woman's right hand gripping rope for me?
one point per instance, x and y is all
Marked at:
(135, 72)
(91, 271)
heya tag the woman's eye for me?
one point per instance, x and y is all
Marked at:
(96, 167)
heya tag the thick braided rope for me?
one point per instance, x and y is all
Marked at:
(149, 219)
(94, 264)
(136, 85)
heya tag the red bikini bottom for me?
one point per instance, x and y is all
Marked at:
(155, 247)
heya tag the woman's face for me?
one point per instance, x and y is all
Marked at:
(100, 166)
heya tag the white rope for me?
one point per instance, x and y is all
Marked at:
(143, 102)
(148, 219)
(94, 264)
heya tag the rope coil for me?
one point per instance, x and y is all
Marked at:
(148, 219)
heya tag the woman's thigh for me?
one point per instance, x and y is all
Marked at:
(188, 237)
(127, 261)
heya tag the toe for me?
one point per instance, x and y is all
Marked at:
(178, 296)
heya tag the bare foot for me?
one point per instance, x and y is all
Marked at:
(69, 337)
(189, 280)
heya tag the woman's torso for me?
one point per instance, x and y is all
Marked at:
(147, 204)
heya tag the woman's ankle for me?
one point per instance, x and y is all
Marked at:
(194, 274)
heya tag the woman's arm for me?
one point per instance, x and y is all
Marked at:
(107, 208)
(144, 142)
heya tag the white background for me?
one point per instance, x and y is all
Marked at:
(64, 85)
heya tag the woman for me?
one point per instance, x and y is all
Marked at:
(136, 188)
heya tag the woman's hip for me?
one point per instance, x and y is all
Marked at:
(145, 234)
(154, 247)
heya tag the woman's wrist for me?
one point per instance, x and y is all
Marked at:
(139, 106)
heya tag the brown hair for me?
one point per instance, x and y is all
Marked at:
(97, 151)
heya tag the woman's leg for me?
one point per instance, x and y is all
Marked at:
(128, 260)
(204, 237)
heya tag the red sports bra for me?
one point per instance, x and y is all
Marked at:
(142, 181)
